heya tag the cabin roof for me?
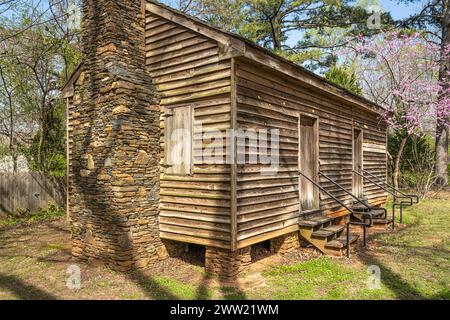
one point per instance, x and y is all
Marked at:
(241, 47)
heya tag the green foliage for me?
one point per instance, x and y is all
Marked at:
(4, 150)
(324, 25)
(37, 60)
(416, 163)
(344, 77)
(47, 153)
(416, 146)
(24, 216)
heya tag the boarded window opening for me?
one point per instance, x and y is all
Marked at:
(357, 162)
(178, 140)
(308, 163)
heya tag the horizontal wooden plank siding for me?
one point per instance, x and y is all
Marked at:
(188, 70)
(268, 205)
(375, 162)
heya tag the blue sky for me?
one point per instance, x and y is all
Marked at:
(397, 10)
(402, 10)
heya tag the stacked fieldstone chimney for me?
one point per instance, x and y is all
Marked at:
(114, 141)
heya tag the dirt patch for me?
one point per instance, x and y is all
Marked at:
(34, 260)
(38, 255)
(301, 255)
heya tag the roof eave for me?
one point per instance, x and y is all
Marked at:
(67, 88)
(291, 69)
(250, 50)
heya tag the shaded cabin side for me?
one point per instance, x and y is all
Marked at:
(374, 153)
(269, 205)
(193, 76)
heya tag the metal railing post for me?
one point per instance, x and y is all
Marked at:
(348, 239)
(412, 196)
(401, 205)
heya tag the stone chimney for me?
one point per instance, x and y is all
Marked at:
(114, 141)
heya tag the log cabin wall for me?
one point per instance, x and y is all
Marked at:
(268, 206)
(189, 70)
(233, 206)
(374, 154)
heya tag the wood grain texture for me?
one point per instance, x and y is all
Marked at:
(232, 206)
(191, 77)
(267, 205)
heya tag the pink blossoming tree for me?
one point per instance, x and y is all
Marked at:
(400, 72)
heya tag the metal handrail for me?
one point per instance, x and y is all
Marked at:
(395, 204)
(342, 188)
(390, 186)
(328, 193)
(351, 194)
(363, 224)
(380, 186)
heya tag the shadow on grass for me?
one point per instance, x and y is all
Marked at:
(23, 290)
(154, 289)
(435, 257)
(151, 287)
(401, 288)
(233, 293)
(57, 228)
(202, 292)
(60, 256)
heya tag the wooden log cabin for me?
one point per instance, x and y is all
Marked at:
(211, 80)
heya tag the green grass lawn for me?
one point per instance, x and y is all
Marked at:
(414, 262)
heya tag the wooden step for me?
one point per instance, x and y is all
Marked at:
(341, 242)
(364, 209)
(327, 231)
(374, 213)
(382, 223)
(359, 207)
(314, 222)
(338, 246)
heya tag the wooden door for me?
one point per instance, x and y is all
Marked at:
(308, 163)
(178, 140)
(358, 181)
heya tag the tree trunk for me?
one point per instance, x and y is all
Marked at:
(396, 165)
(276, 34)
(442, 129)
(42, 131)
(441, 170)
(12, 146)
(39, 150)
(15, 158)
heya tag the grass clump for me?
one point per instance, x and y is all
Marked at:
(24, 217)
